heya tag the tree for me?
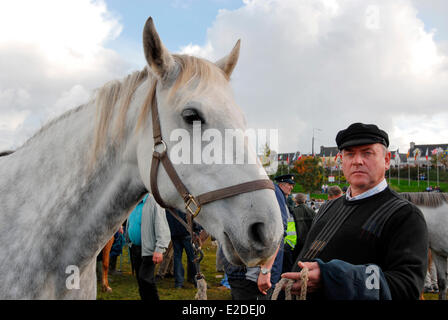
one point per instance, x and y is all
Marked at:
(269, 160)
(309, 172)
(443, 159)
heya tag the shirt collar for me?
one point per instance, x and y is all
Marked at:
(377, 189)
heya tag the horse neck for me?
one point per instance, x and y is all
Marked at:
(75, 210)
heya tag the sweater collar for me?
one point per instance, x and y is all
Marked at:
(376, 189)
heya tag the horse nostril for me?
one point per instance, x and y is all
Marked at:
(256, 233)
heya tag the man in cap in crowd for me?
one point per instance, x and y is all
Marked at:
(286, 183)
(370, 243)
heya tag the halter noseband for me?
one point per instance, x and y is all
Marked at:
(193, 204)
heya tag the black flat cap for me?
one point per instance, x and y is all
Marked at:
(358, 134)
(288, 178)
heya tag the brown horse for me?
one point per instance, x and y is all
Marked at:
(105, 266)
(429, 270)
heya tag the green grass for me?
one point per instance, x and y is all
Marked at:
(403, 186)
(431, 296)
(124, 285)
(414, 186)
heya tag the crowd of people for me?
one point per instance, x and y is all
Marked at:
(433, 189)
(364, 242)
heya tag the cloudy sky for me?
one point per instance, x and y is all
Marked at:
(306, 66)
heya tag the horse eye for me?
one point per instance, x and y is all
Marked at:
(191, 115)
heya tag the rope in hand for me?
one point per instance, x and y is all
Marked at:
(201, 284)
(289, 283)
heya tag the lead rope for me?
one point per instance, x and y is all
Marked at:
(289, 283)
(201, 284)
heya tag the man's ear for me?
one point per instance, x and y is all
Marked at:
(387, 159)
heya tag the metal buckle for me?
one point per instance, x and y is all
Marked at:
(156, 144)
(190, 200)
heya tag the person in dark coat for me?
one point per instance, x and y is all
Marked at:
(303, 218)
(116, 250)
(370, 244)
(283, 188)
(181, 240)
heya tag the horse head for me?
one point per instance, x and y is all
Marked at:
(195, 103)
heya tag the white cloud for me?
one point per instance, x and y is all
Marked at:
(325, 64)
(13, 120)
(303, 65)
(77, 95)
(196, 50)
(52, 55)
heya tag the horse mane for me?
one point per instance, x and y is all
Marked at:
(426, 199)
(106, 99)
(193, 72)
(6, 153)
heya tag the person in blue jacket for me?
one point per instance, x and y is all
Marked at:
(283, 188)
(256, 283)
(116, 250)
(149, 233)
(370, 244)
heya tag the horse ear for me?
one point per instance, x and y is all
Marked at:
(157, 56)
(228, 63)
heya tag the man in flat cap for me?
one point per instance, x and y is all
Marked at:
(369, 244)
(286, 183)
(283, 189)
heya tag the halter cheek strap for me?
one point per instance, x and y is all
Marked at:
(193, 204)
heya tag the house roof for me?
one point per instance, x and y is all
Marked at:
(328, 151)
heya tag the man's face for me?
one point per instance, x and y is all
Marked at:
(364, 166)
(286, 188)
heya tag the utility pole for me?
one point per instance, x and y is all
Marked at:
(312, 141)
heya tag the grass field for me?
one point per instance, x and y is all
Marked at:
(404, 185)
(414, 185)
(124, 285)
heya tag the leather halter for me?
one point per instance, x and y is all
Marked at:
(193, 204)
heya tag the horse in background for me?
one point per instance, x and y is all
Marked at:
(434, 206)
(67, 189)
(105, 259)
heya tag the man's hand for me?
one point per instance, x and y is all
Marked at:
(314, 280)
(264, 282)
(157, 257)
